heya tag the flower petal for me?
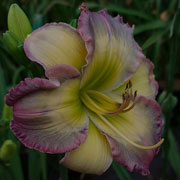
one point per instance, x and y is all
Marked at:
(113, 55)
(141, 125)
(143, 81)
(93, 157)
(48, 119)
(60, 73)
(54, 44)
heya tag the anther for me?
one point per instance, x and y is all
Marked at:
(135, 94)
(127, 86)
(128, 96)
(130, 84)
(124, 97)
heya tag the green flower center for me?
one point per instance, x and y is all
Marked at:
(102, 104)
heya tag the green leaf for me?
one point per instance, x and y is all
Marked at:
(174, 154)
(15, 162)
(121, 10)
(37, 21)
(36, 165)
(33, 164)
(43, 166)
(152, 39)
(157, 24)
(162, 97)
(169, 103)
(120, 171)
(63, 170)
(73, 23)
(2, 90)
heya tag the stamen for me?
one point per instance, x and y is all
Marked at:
(127, 86)
(128, 140)
(128, 96)
(124, 97)
(126, 110)
(130, 84)
(102, 104)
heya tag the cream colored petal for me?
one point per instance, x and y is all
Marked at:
(48, 118)
(113, 54)
(92, 157)
(134, 136)
(55, 44)
(143, 81)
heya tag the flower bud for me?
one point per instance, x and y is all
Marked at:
(7, 150)
(13, 46)
(7, 114)
(18, 22)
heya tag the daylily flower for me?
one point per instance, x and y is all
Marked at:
(98, 103)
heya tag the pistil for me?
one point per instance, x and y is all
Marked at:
(128, 140)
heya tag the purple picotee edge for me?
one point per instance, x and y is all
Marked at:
(149, 103)
(30, 144)
(140, 53)
(23, 89)
(27, 86)
(152, 80)
(87, 36)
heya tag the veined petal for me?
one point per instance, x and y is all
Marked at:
(143, 81)
(93, 157)
(132, 133)
(48, 119)
(54, 44)
(113, 55)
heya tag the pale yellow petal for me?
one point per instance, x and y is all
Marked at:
(143, 81)
(55, 44)
(113, 54)
(93, 157)
(134, 136)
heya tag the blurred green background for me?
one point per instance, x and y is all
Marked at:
(157, 30)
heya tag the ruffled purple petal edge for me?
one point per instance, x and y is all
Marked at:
(27, 86)
(23, 89)
(84, 31)
(32, 145)
(152, 80)
(88, 39)
(143, 170)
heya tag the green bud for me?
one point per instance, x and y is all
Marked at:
(14, 47)
(18, 22)
(7, 150)
(7, 114)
